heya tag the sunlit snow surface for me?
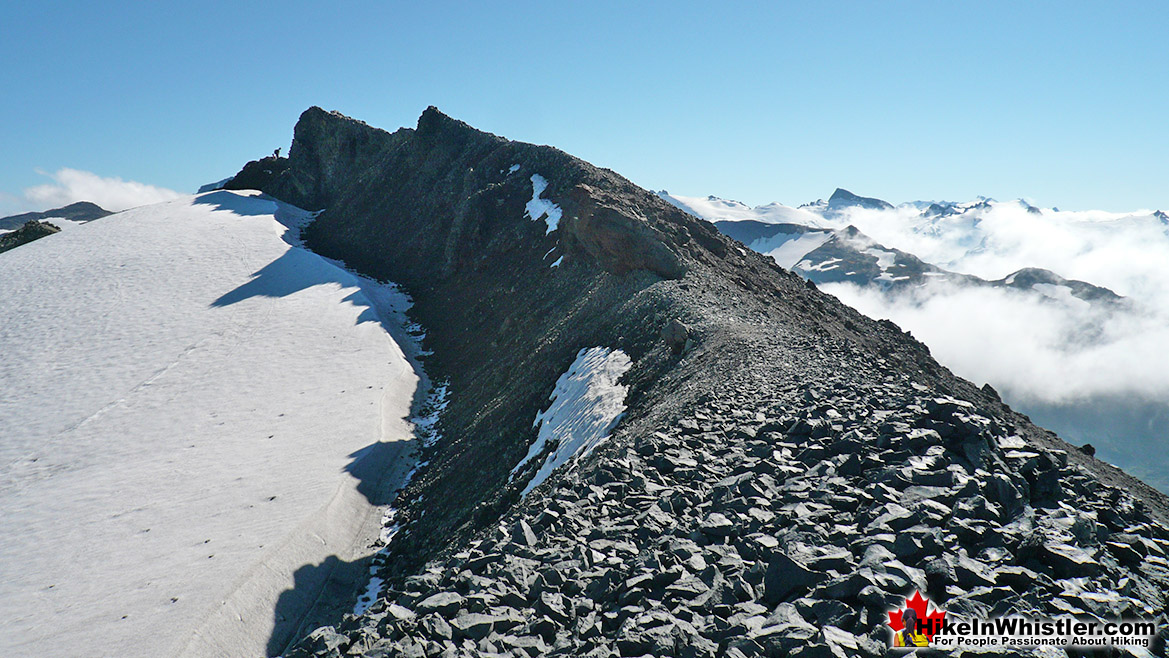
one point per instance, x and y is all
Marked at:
(789, 248)
(587, 402)
(714, 209)
(182, 391)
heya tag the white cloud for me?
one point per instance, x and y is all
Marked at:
(1052, 352)
(72, 185)
(1030, 352)
(1125, 252)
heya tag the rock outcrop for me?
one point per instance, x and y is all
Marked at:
(32, 230)
(786, 469)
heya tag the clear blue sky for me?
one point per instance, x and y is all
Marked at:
(1061, 102)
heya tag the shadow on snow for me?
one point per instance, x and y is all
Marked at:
(323, 593)
(292, 272)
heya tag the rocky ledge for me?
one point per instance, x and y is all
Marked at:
(29, 231)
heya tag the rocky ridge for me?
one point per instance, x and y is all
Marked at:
(787, 470)
(31, 230)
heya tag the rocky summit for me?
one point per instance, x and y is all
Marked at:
(784, 473)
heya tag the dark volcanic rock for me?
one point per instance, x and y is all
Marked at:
(33, 230)
(785, 576)
(617, 237)
(775, 486)
(258, 174)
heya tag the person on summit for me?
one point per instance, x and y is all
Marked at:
(276, 154)
(908, 636)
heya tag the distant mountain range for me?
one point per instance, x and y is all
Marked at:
(825, 255)
(18, 230)
(82, 211)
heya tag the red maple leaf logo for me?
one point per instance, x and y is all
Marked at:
(931, 622)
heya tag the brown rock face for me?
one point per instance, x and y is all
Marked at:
(618, 236)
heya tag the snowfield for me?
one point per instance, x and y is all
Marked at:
(186, 396)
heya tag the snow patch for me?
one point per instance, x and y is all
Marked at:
(885, 259)
(539, 208)
(372, 590)
(823, 266)
(425, 421)
(514, 168)
(1060, 293)
(790, 248)
(390, 529)
(587, 403)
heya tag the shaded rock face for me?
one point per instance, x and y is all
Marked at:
(32, 230)
(842, 198)
(786, 469)
(82, 211)
(257, 174)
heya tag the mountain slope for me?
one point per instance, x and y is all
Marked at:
(168, 472)
(82, 211)
(773, 448)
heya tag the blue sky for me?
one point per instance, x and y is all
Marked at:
(1060, 102)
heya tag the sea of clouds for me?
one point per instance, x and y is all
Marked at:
(1055, 352)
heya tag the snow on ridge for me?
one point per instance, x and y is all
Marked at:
(714, 209)
(885, 259)
(539, 208)
(587, 403)
(1060, 293)
(787, 249)
(217, 185)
